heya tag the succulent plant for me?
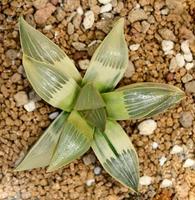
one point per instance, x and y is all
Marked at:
(90, 105)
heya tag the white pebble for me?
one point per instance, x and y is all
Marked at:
(106, 8)
(173, 65)
(189, 66)
(171, 52)
(154, 145)
(89, 19)
(180, 60)
(167, 45)
(189, 163)
(53, 115)
(130, 70)
(30, 106)
(80, 10)
(164, 11)
(97, 170)
(176, 149)
(104, 1)
(134, 47)
(162, 160)
(188, 57)
(185, 47)
(147, 127)
(90, 182)
(83, 64)
(145, 180)
(166, 183)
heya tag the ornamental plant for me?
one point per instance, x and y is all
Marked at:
(90, 105)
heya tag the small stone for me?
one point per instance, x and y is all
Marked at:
(145, 180)
(167, 34)
(80, 10)
(166, 183)
(186, 119)
(189, 66)
(154, 145)
(134, 47)
(145, 26)
(48, 27)
(167, 45)
(164, 11)
(60, 14)
(190, 87)
(89, 159)
(147, 127)
(176, 149)
(43, 14)
(54, 2)
(38, 4)
(11, 54)
(30, 106)
(106, 8)
(97, 170)
(137, 15)
(180, 60)
(79, 46)
(90, 182)
(16, 77)
(84, 64)
(89, 19)
(33, 96)
(53, 115)
(185, 47)
(162, 160)
(21, 98)
(189, 163)
(70, 28)
(173, 65)
(187, 78)
(188, 57)
(130, 70)
(104, 1)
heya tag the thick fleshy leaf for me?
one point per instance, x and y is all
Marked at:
(55, 88)
(117, 154)
(74, 141)
(96, 118)
(41, 153)
(109, 61)
(89, 98)
(39, 47)
(140, 100)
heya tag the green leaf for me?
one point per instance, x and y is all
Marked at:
(39, 47)
(42, 151)
(55, 88)
(89, 98)
(96, 118)
(117, 155)
(141, 100)
(74, 141)
(109, 61)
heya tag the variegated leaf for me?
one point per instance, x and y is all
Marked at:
(109, 61)
(89, 98)
(41, 153)
(39, 47)
(74, 141)
(117, 154)
(55, 88)
(141, 100)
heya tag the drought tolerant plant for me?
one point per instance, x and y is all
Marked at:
(90, 105)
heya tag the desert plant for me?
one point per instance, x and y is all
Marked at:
(90, 106)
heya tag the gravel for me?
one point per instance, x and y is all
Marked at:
(180, 60)
(186, 119)
(147, 127)
(130, 70)
(89, 19)
(166, 183)
(177, 149)
(21, 98)
(106, 8)
(145, 180)
(134, 47)
(167, 45)
(30, 106)
(190, 87)
(189, 163)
